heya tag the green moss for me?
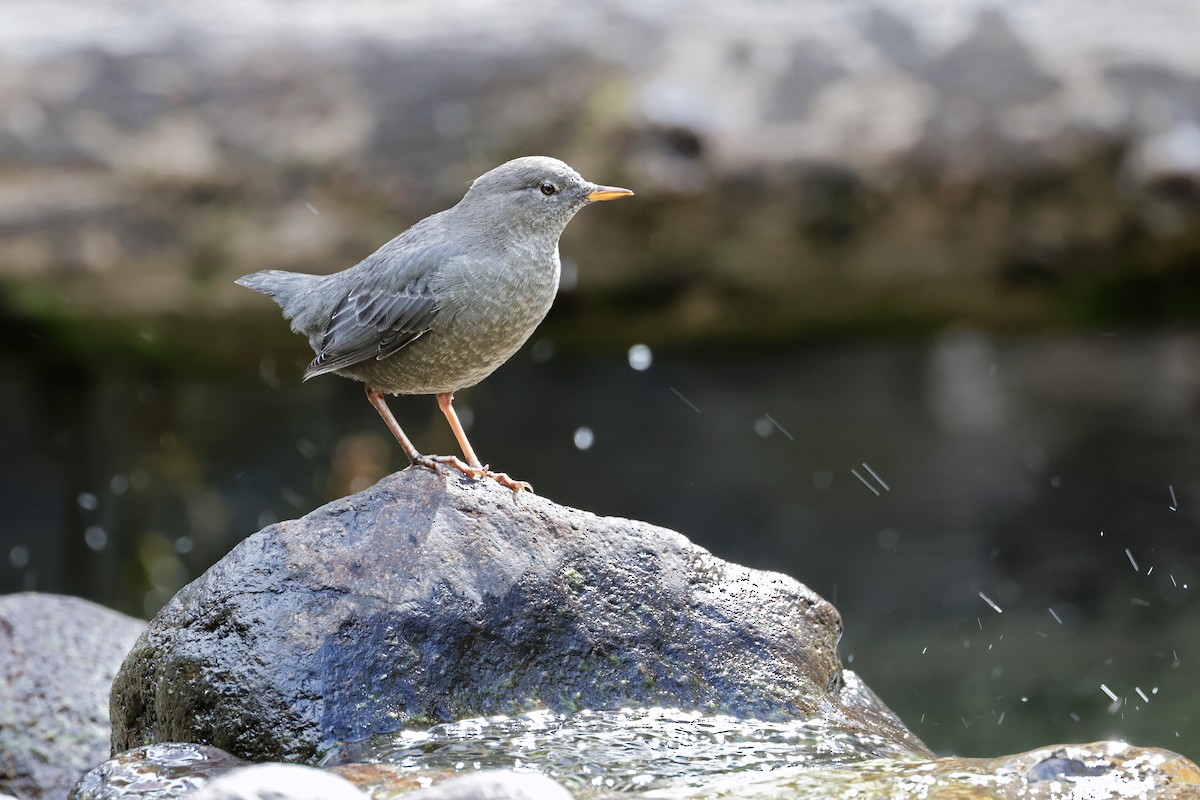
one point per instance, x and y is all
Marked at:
(574, 581)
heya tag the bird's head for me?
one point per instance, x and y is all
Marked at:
(535, 194)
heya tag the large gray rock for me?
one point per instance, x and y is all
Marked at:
(58, 656)
(427, 598)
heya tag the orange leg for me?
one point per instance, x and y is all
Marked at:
(377, 399)
(446, 403)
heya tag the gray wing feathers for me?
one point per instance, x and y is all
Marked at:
(373, 325)
(371, 310)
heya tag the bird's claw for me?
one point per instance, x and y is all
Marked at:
(502, 478)
(507, 482)
(432, 462)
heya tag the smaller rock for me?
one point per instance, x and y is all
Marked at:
(490, 785)
(1059, 768)
(58, 656)
(171, 770)
(287, 782)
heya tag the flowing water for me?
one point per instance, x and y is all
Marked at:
(669, 754)
(597, 754)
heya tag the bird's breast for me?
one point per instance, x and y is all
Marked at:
(506, 301)
(488, 311)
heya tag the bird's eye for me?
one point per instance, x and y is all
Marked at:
(549, 188)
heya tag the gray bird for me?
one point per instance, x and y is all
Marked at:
(441, 306)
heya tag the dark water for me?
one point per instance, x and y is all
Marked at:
(1037, 543)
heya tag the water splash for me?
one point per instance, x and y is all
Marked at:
(680, 755)
(614, 753)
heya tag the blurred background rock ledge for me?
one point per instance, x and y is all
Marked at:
(797, 165)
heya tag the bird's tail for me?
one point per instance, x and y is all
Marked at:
(281, 286)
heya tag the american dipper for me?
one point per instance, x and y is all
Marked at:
(441, 306)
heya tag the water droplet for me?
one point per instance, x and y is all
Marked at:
(19, 556)
(640, 357)
(584, 438)
(184, 545)
(88, 501)
(95, 537)
(119, 483)
(763, 427)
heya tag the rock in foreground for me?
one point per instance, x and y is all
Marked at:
(429, 598)
(165, 771)
(58, 656)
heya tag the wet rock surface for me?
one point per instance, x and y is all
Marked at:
(1101, 770)
(58, 656)
(428, 598)
(665, 753)
(164, 771)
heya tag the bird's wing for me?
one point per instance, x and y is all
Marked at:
(373, 323)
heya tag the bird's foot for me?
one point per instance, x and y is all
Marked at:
(503, 479)
(432, 462)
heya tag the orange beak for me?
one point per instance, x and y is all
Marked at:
(599, 193)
